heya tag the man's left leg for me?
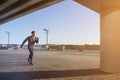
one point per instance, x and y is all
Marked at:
(30, 55)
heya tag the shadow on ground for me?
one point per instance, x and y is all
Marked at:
(12, 64)
(49, 74)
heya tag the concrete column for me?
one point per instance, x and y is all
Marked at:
(110, 41)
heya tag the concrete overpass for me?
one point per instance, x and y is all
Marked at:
(12, 9)
(109, 32)
(109, 25)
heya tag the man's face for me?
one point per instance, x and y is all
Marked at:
(33, 34)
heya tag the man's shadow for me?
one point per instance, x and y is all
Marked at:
(49, 74)
(14, 64)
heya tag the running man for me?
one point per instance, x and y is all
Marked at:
(31, 42)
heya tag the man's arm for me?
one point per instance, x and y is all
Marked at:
(37, 40)
(24, 42)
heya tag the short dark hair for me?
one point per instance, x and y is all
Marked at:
(32, 32)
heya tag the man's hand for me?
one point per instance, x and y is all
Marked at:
(36, 39)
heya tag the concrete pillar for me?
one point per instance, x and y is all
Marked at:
(110, 40)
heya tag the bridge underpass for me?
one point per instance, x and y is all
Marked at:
(109, 25)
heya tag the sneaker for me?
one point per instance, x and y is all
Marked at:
(31, 63)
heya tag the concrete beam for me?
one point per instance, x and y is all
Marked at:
(92, 4)
(6, 4)
(20, 8)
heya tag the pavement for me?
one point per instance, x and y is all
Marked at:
(52, 65)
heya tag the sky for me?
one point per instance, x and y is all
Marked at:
(68, 22)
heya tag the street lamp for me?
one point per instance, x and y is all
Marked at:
(8, 33)
(47, 46)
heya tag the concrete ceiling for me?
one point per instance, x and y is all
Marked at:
(12, 9)
(100, 5)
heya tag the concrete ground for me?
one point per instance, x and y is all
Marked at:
(52, 65)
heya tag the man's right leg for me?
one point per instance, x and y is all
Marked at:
(31, 57)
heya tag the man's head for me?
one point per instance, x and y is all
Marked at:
(33, 33)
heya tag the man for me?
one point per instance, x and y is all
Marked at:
(31, 42)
